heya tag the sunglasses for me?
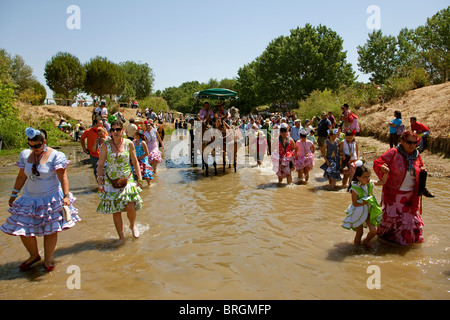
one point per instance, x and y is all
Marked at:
(411, 143)
(36, 146)
(115, 129)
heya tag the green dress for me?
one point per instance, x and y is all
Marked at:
(115, 200)
(357, 216)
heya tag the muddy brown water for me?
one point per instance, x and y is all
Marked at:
(231, 236)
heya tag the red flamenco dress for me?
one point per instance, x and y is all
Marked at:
(402, 221)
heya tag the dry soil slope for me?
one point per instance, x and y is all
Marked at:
(431, 106)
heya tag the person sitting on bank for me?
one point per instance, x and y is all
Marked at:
(422, 131)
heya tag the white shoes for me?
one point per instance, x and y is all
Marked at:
(135, 232)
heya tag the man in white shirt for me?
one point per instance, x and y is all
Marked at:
(131, 129)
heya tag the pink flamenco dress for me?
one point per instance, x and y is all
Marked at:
(305, 156)
(38, 212)
(402, 221)
(152, 143)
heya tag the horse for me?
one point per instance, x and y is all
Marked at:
(119, 116)
(228, 133)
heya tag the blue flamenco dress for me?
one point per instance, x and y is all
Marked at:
(146, 168)
(38, 212)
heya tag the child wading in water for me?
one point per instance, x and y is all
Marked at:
(304, 156)
(364, 208)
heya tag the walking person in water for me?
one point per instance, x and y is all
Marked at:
(119, 191)
(348, 149)
(140, 144)
(401, 196)
(39, 212)
(282, 159)
(332, 159)
(364, 208)
(153, 137)
(304, 156)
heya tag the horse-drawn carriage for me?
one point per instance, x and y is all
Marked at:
(219, 136)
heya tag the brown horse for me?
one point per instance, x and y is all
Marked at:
(227, 134)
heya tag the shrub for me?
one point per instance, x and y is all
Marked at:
(12, 130)
(157, 104)
(396, 87)
(318, 102)
(7, 108)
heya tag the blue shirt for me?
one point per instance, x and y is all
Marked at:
(397, 122)
(295, 133)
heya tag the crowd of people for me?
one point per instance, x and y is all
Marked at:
(124, 158)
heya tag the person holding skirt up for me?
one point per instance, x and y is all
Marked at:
(364, 209)
(46, 206)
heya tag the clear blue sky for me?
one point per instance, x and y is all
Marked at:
(186, 40)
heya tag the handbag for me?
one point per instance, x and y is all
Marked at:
(400, 129)
(66, 213)
(119, 183)
(422, 182)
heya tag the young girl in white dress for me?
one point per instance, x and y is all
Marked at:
(364, 209)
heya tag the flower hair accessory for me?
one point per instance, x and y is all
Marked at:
(111, 119)
(31, 133)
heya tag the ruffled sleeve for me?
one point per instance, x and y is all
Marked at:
(23, 158)
(59, 162)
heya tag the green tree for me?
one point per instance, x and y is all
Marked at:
(291, 67)
(21, 74)
(65, 75)
(181, 98)
(139, 79)
(246, 88)
(407, 48)
(434, 42)
(5, 66)
(7, 100)
(104, 77)
(378, 57)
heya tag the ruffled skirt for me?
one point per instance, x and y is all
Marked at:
(282, 166)
(37, 217)
(305, 161)
(146, 169)
(115, 200)
(402, 222)
(357, 216)
(155, 156)
(332, 171)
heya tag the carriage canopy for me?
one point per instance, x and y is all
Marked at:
(216, 93)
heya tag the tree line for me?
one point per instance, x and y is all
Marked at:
(17, 82)
(67, 76)
(426, 47)
(290, 68)
(312, 58)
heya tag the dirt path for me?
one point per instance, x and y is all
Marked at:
(371, 149)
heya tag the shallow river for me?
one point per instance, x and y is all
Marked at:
(232, 236)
